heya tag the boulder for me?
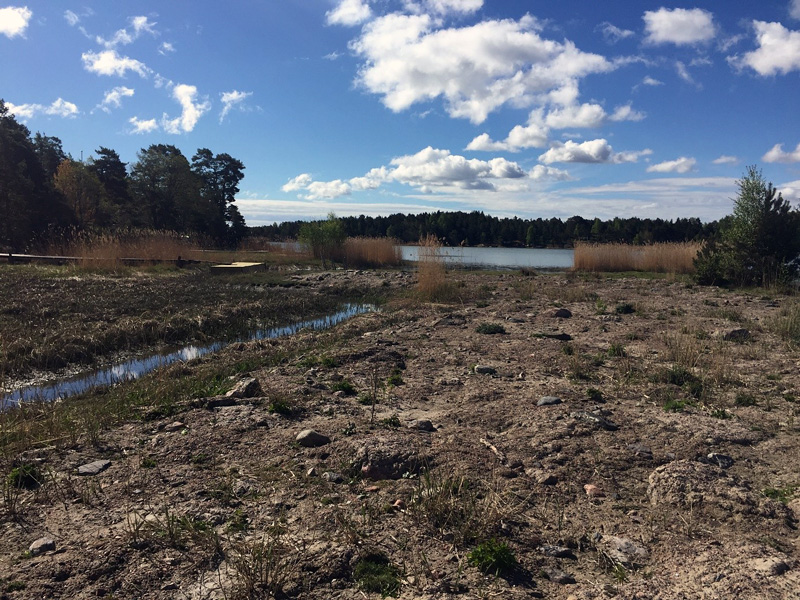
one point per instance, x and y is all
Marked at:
(308, 438)
(94, 468)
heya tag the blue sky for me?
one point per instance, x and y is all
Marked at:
(526, 108)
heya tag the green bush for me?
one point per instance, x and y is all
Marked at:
(493, 557)
(374, 573)
(26, 476)
(490, 328)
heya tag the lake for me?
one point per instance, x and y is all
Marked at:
(502, 258)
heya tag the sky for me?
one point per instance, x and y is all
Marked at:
(510, 107)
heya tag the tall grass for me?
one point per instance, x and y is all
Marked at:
(656, 258)
(370, 252)
(432, 284)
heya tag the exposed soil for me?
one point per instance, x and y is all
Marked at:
(664, 463)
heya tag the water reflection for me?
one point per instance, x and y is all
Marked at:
(133, 369)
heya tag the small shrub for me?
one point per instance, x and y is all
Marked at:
(600, 307)
(26, 476)
(491, 328)
(493, 557)
(617, 350)
(280, 407)
(239, 521)
(344, 386)
(673, 405)
(745, 399)
(392, 422)
(148, 462)
(624, 309)
(782, 495)
(374, 573)
(395, 378)
(595, 395)
(721, 413)
(568, 350)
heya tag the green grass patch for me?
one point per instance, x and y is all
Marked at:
(493, 557)
(491, 328)
(375, 574)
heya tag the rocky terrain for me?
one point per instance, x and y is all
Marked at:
(546, 436)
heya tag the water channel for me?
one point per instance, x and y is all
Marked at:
(135, 368)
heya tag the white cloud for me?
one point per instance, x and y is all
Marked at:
(679, 26)
(777, 155)
(166, 48)
(794, 9)
(14, 20)
(327, 189)
(627, 113)
(679, 165)
(71, 18)
(613, 34)
(332, 55)
(791, 191)
(124, 37)
(585, 115)
(540, 172)
(192, 110)
(592, 151)
(651, 81)
(349, 13)
(778, 50)
(233, 99)
(142, 126)
(684, 74)
(444, 7)
(113, 98)
(476, 69)
(300, 182)
(59, 108)
(725, 160)
(108, 62)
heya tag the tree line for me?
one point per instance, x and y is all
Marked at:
(476, 228)
(44, 191)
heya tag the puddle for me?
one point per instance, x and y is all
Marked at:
(135, 368)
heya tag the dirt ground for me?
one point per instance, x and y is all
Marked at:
(593, 437)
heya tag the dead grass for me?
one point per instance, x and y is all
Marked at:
(656, 258)
(370, 252)
(432, 284)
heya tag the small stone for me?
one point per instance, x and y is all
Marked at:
(547, 479)
(723, 461)
(42, 545)
(421, 425)
(175, 426)
(548, 401)
(246, 388)
(372, 489)
(333, 477)
(593, 491)
(556, 575)
(94, 468)
(641, 450)
(312, 472)
(624, 550)
(562, 313)
(399, 504)
(485, 370)
(555, 551)
(595, 419)
(309, 438)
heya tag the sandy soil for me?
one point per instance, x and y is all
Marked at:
(663, 464)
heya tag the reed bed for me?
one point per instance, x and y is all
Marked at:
(370, 252)
(432, 284)
(677, 258)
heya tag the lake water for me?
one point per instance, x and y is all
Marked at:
(503, 258)
(133, 369)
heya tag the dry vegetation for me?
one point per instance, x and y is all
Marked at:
(654, 258)
(362, 252)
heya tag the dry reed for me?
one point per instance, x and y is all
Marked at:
(370, 252)
(655, 258)
(432, 282)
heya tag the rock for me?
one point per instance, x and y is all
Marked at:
(624, 550)
(641, 450)
(595, 419)
(219, 402)
(94, 468)
(399, 504)
(333, 477)
(382, 458)
(246, 388)
(561, 337)
(175, 426)
(485, 370)
(723, 461)
(547, 479)
(308, 438)
(548, 401)
(556, 575)
(593, 491)
(562, 313)
(421, 425)
(736, 335)
(42, 545)
(555, 551)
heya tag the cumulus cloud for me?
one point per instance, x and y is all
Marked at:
(475, 69)
(778, 50)
(679, 165)
(777, 155)
(627, 113)
(186, 95)
(429, 170)
(14, 20)
(143, 126)
(584, 115)
(444, 7)
(725, 160)
(679, 26)
(540, 172)
(125, 36)
(59, 108)
(108, 62)
(113, 98)
(612, 33)
(591, 151)
(233, 100)
(349, 13)
(791, 191)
